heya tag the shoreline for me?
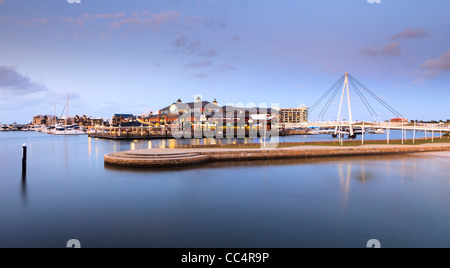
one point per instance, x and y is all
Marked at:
(172, 158)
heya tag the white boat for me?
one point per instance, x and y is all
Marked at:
(37, 128)
(328, 131)
(343, 132)
(68, 130)
(380, 131)
(4, 128)
(45, 129)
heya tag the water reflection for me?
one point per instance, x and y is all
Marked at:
(172, 144)
(344, 179)
(24, 191)
(280, 203)
(90, 146)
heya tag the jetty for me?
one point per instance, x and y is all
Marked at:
(171, 158)
(153, 133)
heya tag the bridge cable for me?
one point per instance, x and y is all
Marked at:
(365, 101)
(377, 98)
(326, 94)
(330, 101)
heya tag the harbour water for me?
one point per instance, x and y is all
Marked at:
(403, 201)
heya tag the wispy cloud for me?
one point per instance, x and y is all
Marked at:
(26, 22)
(332, 69)
(201, 64)
(208, 68)
(225, 68)
(81, 21)
(434, 67)
(390, 50)
(200, 75)
(394, 48)
(140, 19)
(193, 47)
(147, 19)
(235, 39)
(409, 33)
(13, 82)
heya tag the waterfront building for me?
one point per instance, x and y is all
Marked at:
(66, 120)
(197, 111)
(87, 121)
(205, 114)
(158, 120)
(44, 120)
(119, 119)
(294, 115)
(97, 121)
(197, 107)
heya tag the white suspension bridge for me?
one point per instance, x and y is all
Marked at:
(342, 127)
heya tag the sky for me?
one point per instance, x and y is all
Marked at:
(134, 56)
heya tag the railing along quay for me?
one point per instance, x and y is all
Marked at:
(149, 133)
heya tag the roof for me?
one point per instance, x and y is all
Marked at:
(158, 116)
(131, 124)
(151, 116)
(191, 105)
(252, 109)
(123, 115)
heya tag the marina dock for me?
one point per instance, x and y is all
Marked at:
(152, 133)
(170, 158)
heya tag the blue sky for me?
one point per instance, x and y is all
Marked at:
(133, 56)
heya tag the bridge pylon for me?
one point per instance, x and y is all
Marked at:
(346, 89)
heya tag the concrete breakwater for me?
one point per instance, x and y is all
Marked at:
(169, 158)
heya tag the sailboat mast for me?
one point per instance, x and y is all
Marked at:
(67, 108)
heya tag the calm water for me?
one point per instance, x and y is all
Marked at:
(403, 201)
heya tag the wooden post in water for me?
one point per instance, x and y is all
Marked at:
(24, 161)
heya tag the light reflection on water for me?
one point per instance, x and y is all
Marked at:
(333, 202)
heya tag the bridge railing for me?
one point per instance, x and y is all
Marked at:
(419, 126)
